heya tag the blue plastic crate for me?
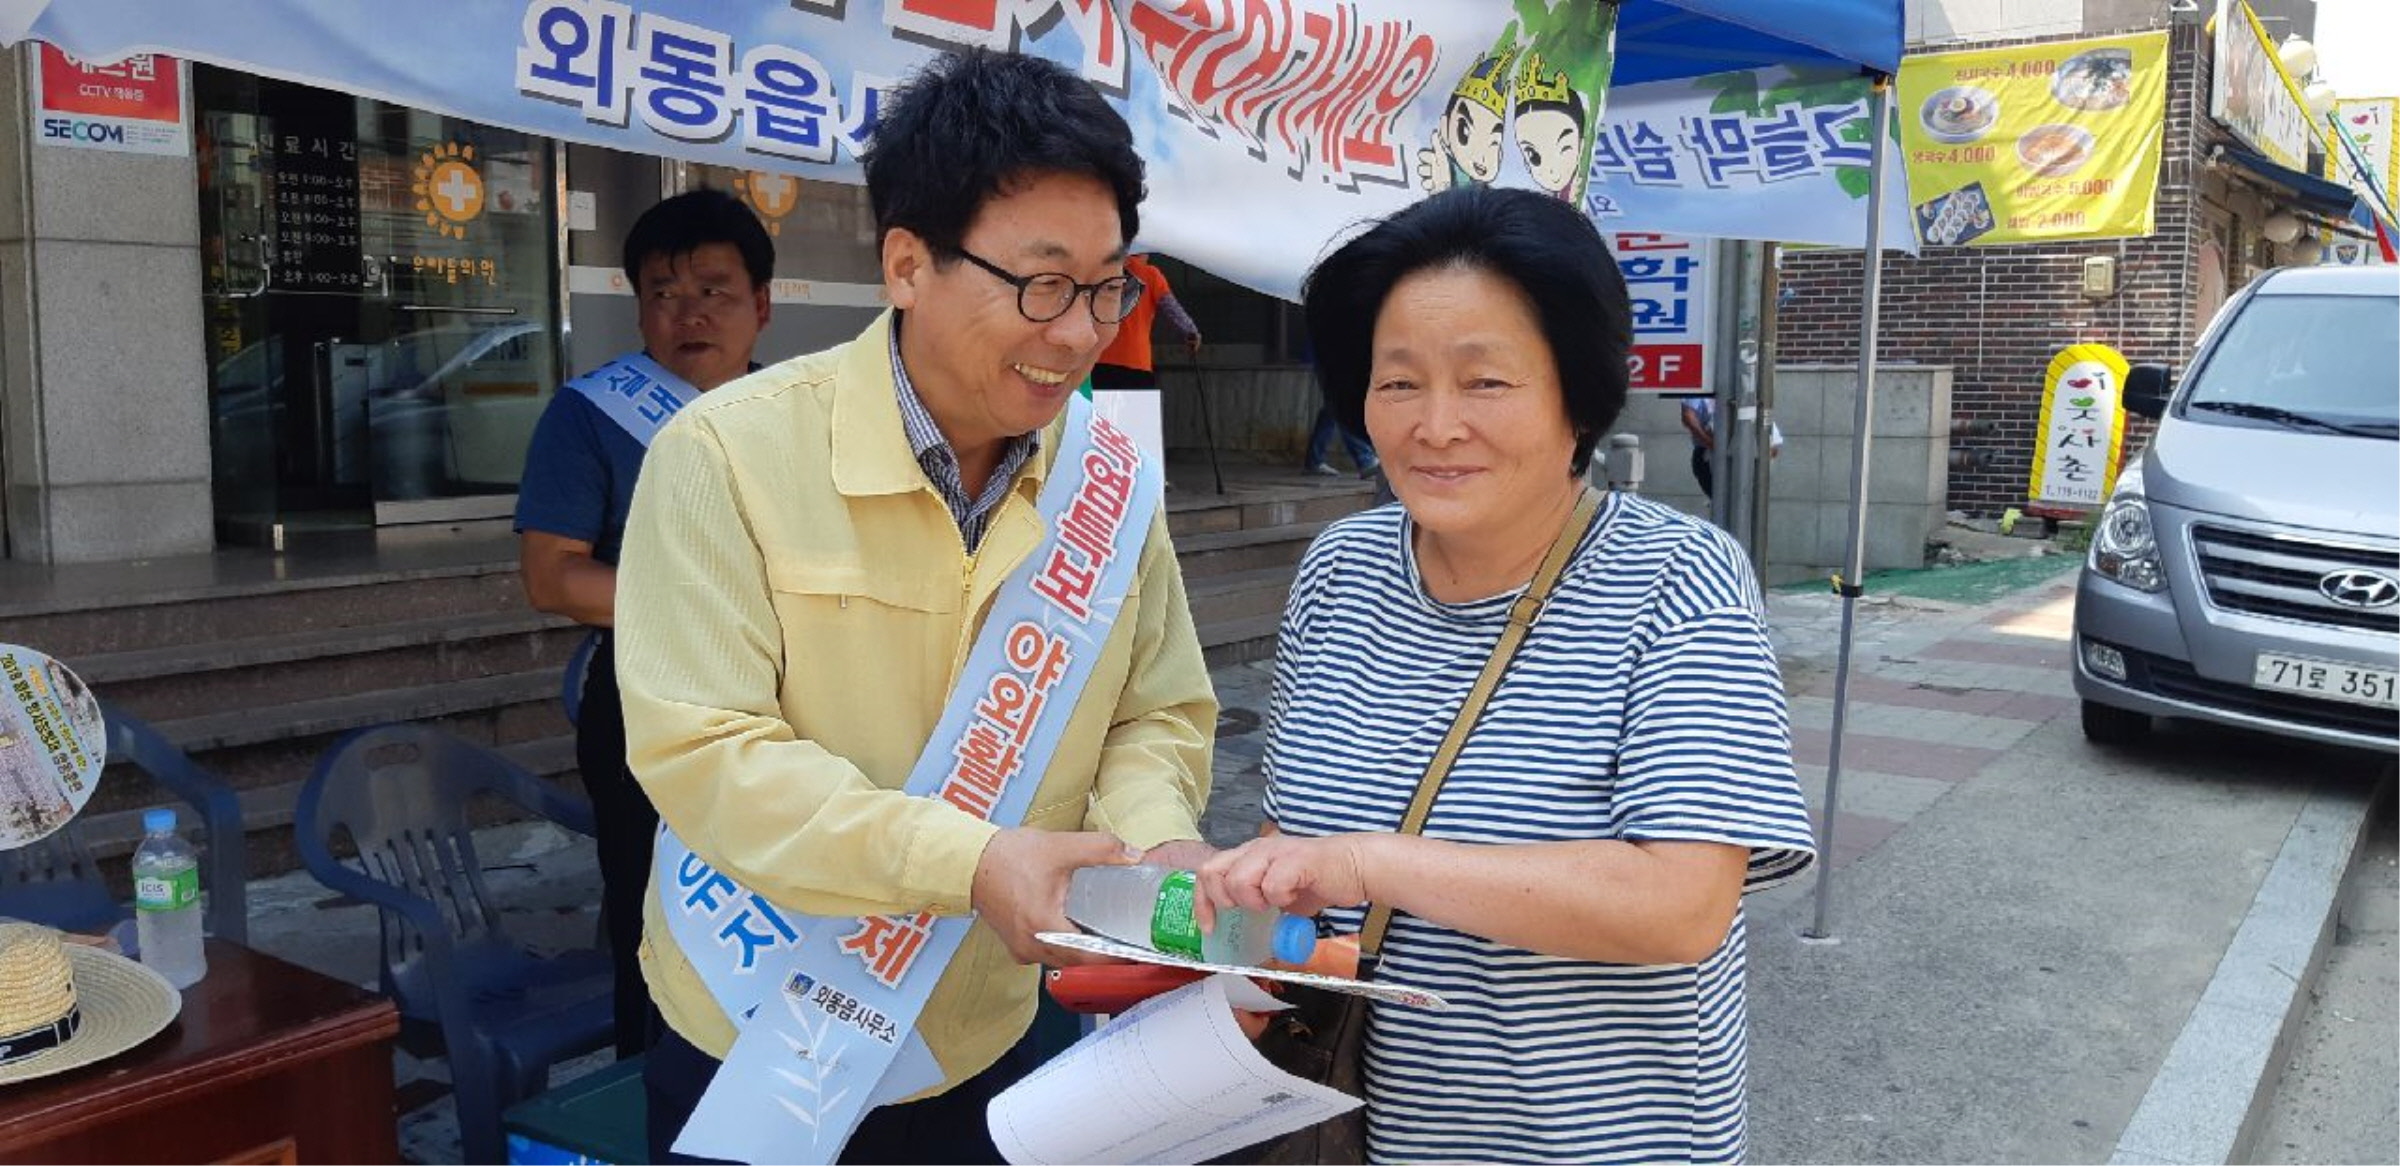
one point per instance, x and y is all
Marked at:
(596, 1118)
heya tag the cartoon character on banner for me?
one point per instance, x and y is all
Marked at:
(1549, 124)
(1466, 145)
(1520, 88)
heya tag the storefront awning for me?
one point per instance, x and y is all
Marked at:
(2308, 193)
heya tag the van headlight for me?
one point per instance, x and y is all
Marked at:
(2125, 548)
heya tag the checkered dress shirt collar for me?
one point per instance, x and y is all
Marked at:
(940, 462)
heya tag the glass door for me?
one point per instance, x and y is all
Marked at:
(381, 305)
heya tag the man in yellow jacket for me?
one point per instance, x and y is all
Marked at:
(814, 549)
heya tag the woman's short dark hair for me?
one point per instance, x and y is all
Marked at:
(1548, 249)
(694, 219)
(972, 122)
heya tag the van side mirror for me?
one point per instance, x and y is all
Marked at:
(2147, 388)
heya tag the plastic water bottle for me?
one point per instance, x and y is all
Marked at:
(166, 901)
(1152, 907)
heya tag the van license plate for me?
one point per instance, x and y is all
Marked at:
(2329, 680)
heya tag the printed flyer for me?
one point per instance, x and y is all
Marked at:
(52, 745)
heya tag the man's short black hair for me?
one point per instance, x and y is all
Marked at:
(971, 123)
(1548, 249)
(687, 222)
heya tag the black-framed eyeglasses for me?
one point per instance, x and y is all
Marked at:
(1047, 295)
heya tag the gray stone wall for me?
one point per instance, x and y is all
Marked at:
(104, 446)
(1808, 486)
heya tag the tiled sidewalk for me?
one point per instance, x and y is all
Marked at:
(1936, 693)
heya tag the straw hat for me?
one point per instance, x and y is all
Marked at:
(65, 1005)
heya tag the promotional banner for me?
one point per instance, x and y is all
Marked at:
(2248, 92)
(2049, 141)
(1332, 112)
(2082, 428)
(1778, 154)
(132, 106)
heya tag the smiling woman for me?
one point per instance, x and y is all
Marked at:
(1576, 889)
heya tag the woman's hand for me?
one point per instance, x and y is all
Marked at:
(1300, 876)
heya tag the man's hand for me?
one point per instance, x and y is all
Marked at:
(1021, 887)
(1181, 854)
(1191, 344)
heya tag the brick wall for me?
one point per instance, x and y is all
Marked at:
(1996, 315)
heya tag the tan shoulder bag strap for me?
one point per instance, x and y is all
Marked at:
(1520, 620)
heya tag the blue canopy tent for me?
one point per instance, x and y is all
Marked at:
(360, 49)
(1658, 40)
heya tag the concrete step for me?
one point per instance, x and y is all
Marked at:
(1250, 508)
(1238, 641)
(1239, 594)
(278, 745)
(216, 615)
(337, 714)
(1225, 552)
(188, 680)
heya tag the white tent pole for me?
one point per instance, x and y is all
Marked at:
(1862, 425)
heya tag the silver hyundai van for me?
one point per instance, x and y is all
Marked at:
(2247, 569)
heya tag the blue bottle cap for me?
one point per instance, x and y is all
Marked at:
(1295, 939)
(158, 821)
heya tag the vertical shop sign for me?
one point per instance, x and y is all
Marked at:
(2368, 123)
(2082, 428)
(133, 106)
(1668, 279)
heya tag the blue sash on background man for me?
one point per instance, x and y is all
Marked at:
(827, 1008)
(639, 394)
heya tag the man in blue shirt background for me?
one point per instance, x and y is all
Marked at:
(700, 265)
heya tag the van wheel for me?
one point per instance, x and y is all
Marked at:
(2109, 725)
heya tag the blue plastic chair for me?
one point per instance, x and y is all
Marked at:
(400, 794)
(56, 881)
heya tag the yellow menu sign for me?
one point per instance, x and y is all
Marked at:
(2047, 141)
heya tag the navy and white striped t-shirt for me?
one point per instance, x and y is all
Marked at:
(1645, 704)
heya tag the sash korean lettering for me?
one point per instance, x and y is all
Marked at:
(827, 1008)
(637, 393)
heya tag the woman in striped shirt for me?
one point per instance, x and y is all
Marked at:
(1576, 891)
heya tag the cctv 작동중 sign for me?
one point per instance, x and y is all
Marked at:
(132, 106)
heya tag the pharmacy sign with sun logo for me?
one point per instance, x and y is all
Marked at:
(449, 189)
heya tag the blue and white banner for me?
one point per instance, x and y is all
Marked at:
(1779, 154)
(1328, 111)
(828, 1007)
(637, 393)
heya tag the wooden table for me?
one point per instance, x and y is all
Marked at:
(267, 1062)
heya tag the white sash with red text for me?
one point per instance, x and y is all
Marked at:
(827, 1008)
